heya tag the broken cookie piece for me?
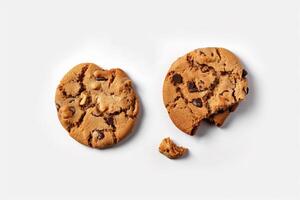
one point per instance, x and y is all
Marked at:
(206, 84)
(170, 149)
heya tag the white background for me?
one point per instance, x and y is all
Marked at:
(254, 156)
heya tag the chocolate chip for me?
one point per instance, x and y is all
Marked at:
(246, 90)
(100, 134)
(192, 86)
(197, 102)
(244, 74)
(177, 78)
(110, 121)
(101, 79)
(223, 73)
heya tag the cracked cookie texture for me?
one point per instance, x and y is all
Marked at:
(205, 84)
(97, 107)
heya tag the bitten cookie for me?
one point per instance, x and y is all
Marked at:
(170, 149)
(205, 84)
(97, 107)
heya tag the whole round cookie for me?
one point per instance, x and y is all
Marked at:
(97, 107)
(205, 84)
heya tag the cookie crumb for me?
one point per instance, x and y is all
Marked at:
(170, 149)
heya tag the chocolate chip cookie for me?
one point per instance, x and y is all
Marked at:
(97, 107)
(171, 150)
(205, 84)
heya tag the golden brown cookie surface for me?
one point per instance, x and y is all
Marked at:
(206, 83)
(97, 107)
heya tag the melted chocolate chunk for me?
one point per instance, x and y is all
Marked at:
(100, 134)
(110, 121)
(223, 73)
(176, 79)
(197, 102)
(192, 86)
